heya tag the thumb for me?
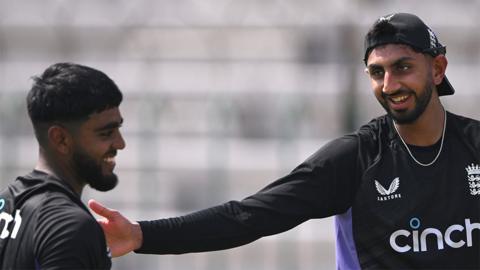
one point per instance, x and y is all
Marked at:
(100, 209)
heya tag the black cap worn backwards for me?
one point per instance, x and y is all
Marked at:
(404, 28)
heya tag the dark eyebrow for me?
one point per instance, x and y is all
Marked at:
(111, 125)
(397, 62)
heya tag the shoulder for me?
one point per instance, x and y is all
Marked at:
(55, 205)
(378, 129)
(67, 234)
(367, 140)
(52, 205)
(351, 147)
(59, 211)
(362, 147)
(37, 201)
(464, 124)
(467, 129)
(48, 203)
(56, 226)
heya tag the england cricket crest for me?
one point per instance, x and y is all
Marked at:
(473, 173)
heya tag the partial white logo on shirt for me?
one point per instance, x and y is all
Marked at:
(473, 173)
(6, 219)
(388, 194)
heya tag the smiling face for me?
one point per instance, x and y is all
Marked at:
(402, 81)
(95, 146)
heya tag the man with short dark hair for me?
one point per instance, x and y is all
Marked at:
(404, 188)
(76, 119)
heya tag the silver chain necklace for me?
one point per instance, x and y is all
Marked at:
(439, 150)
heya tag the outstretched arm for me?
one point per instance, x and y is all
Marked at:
(319, 187)
(123, 236)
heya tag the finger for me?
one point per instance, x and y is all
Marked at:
(103, 223)
(100, 209)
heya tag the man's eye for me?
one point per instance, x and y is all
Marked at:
(403, 67)
(376, 73)
(106, 133)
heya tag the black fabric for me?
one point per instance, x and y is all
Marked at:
(414, 226)
(55, 229)
(425, 154)
(342, 176)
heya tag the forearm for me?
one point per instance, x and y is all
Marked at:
(206, 230)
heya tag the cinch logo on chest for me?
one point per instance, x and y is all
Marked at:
(390, 193)
(416, 240)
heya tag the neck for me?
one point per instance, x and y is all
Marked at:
(60, 170)
(427, 129)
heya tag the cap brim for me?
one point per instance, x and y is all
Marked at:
(445, 88)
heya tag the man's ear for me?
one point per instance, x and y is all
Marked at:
(60, 139)
(439, 67)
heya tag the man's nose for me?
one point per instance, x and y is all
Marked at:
(390, 83)
(119, 142)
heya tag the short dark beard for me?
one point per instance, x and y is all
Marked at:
(422, 103)
(91, 172)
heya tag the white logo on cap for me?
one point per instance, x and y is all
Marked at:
(386, 18)
(433, 38)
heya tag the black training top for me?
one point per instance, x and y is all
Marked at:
(45, 225)
(391, 212)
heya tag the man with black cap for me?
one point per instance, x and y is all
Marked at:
(404, 188)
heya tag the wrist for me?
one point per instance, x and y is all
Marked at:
(137, 235)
